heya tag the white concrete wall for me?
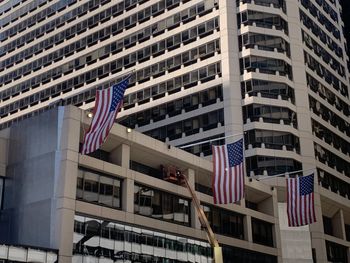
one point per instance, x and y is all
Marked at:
(295, 241)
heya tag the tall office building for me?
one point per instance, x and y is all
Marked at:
(346, 19)
(273, 70)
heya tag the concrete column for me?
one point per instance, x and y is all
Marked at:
(194, 214)
(266, 206)
(121, 156)
(128, 195)
(316, 229)
(339, 225)
(67, 169)
(230, 69)
(248, 231)
(276, 228)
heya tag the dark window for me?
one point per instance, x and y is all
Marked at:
(347, 231)
(270, 114)
(267, 89)
(336, 252)
(96, 188)
(272, 140)
(262, 232)
(261, 19)
(224, 222)
(327, 225)
(2, 184)
(232, 255)
(161, 205)
(259, 165)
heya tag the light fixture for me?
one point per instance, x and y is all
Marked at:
(90, 115)
(128, 130)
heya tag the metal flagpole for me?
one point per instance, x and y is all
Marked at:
(282, 174)
(213, 140)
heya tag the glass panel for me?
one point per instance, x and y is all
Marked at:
(91, 187)
(80, 185)
(106, 191)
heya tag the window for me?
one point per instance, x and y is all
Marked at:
(233, 254)
(262, 232)
(261, 19)
(330, 137)
(275, 3)
(112, 237)
(267, 89)
(2, 183)
(266, 66)
(327, 225)
(269, 114)
(328, 115)
(259, 165)
(333, 161)
(272, 140)
(264, 42)
(189, 126)
(336, 252)
(318, 32)
(161, 205)
(96, 188)
(347, 232)
(224, 222)
(92, 57)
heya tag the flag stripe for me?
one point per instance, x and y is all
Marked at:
(107, 105)
(223, 181)
(300, 201)
(91, 144)
(219, 178)
(288, 203)
(214, 178)
(100, 124)
(101, 121)
(228, 177)
(237, 186)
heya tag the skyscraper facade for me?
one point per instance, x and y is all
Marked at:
(274, 71)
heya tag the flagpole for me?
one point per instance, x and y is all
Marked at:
(283, 174)
(212, 140)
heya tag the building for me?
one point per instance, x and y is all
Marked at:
(115, 206)
(345, 11)
(273, 70)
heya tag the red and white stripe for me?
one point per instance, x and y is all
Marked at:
(228, 182)
(102, 121)
(300, 208)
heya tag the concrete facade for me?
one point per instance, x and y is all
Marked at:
(41, 192)
(275, 71)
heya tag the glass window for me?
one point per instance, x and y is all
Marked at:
(106, 191)
(161, 205)
(91, 187)
(2, 180)
(262, 232)
(94, 187)
(224, 222)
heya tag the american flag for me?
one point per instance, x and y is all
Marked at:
(228, 178)
(300, 201)
(107, 105)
